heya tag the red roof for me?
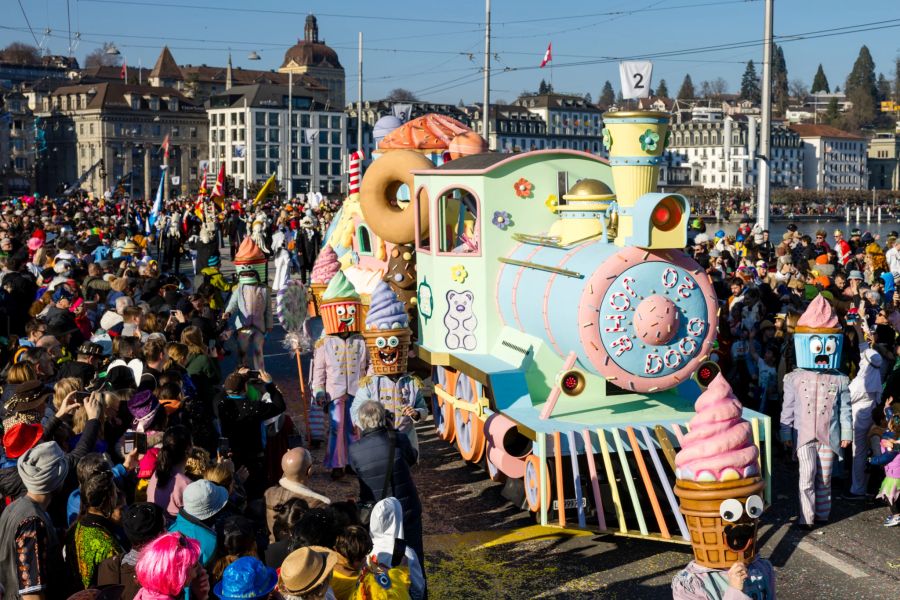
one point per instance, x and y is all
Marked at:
(823, 131)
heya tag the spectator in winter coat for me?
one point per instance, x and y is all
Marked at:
(369, 457)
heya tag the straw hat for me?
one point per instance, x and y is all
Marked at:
(306, 569)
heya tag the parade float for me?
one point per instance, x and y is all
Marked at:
(567, 331)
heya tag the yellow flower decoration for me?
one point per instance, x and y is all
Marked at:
(551, 203)
(458, 273)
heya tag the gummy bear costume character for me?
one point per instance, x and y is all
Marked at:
(339, 361)
(387, 338)
(249, 305)
(816, 414)
(719, 487)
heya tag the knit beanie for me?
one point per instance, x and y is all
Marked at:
(43, 469)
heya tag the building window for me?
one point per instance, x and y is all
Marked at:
(323, 153)
(273, 119)
(335, 154)
(260, 134)
(323, 168)
(260, 118)
(273, 152)
(323, 122)
(273, 135)
(336, 123)
(234, 118)
(305, 168)
(336, 138)
(304, 120)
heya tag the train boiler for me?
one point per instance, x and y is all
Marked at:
(564, 323)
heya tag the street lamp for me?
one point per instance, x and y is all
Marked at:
(111, 50)
(253, 56)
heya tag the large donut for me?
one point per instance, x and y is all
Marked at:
(380, 184)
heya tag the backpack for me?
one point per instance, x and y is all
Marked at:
(380, 582)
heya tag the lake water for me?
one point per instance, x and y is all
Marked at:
(777, 228)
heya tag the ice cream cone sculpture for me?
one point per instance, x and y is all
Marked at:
(718, 480)
(340, 307)
(387, 332)
(323, 271)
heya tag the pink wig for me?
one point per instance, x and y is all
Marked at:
(165, 564)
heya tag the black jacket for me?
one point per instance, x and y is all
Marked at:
(369, 458)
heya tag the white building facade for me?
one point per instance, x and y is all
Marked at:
(254, 132)
(721, 153)
(832, 159)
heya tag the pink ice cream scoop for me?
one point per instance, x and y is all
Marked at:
(819, 315)
(326, 265)
(720, 444)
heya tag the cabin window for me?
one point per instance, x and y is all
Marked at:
(364, 238)
(420, 205)
(458, 226)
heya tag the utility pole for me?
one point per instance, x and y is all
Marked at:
(762, 208)
(289, 188)
(359, 95)
(487, 73)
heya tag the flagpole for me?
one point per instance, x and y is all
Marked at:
(289, 188)
(487, 73)
(359, 90)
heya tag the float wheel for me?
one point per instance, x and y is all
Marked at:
(531, 481)
(444, 421)
(469, 435)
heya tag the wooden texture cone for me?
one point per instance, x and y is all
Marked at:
(700, 503)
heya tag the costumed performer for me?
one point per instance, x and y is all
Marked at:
(387, 337)
(249, 305)
(816, 415)
(339, 362)
(717, 479)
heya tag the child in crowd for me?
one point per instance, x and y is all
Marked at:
(352, 544)
(890, 460)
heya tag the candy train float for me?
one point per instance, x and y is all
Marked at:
(352, 246)
(564, 324)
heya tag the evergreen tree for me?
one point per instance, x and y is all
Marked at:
(543, 88)
(897, 79)
(662, 90)
(687, 89)
(884, 88)
(820, 82)
(862, 90)
(607, 96)
(779, 72)
(833, 112)
(750, 84)
(587, 98)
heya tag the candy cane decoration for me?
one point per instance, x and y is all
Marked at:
(355, 170)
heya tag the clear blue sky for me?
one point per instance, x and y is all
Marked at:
(425, 46)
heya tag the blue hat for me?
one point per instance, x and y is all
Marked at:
(61, 292)
(720, 233)
(213, 261)
(246, 578)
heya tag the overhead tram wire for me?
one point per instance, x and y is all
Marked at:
(271, 11)
(27, 22)
(627, 12)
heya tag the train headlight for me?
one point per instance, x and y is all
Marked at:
(667, 214)
(572, 383)
(706, 373)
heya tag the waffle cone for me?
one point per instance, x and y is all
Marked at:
(700, 506)
(378, 367)
(315, 297)
(332, 323)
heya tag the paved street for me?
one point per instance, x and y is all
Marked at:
(479, 546)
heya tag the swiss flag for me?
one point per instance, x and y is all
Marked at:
(165, 147)
(548, 55)
(123, 73)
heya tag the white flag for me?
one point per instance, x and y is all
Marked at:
(311, 135)
(635, 76)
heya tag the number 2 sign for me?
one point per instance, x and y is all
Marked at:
(635, 76)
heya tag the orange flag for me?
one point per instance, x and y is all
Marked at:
(218, 193)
